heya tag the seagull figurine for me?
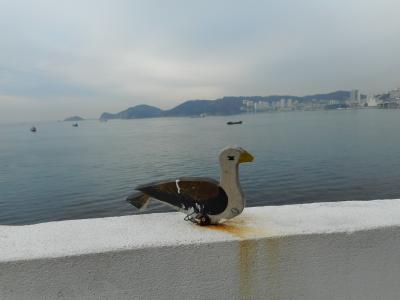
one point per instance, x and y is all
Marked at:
(204, 200)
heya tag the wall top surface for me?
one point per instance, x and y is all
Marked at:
(79, 237)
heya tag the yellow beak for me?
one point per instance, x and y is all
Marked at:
(245, 157)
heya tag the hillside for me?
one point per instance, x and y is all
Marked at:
(136, 112)
(229, 105)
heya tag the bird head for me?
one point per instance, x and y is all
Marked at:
(234, 155)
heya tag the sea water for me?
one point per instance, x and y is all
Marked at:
(64, 172)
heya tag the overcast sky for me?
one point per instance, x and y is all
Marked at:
(66, 57)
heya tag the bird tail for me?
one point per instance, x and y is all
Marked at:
(138, 200)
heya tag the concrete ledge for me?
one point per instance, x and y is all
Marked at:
(341, 250)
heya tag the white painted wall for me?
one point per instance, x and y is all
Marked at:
(343, 250)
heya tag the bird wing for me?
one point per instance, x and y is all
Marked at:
(199, 193)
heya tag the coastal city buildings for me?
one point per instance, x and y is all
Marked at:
(355, 100)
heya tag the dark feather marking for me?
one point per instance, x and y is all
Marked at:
(194, 191)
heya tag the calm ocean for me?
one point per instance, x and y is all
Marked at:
(61, 172)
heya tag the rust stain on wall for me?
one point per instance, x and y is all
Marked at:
(247, 254)
(247, 235)
(273, 263)
(238, 231)
(239, 228)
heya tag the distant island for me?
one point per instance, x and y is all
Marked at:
(243, 104)
(74, 119)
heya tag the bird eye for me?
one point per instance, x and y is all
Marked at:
(231, 157)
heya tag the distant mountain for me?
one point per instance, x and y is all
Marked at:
(224, 106)
(338, 95)
(136, 112)
(74, 118)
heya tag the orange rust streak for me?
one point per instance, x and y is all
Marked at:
(248, 243)
(247, 253)
(241, 232)
(247, 250)
(237, 228)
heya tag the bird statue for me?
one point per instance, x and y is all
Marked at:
(204, 200)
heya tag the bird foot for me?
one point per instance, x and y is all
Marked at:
(199, 219)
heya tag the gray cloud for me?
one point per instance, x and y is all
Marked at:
(66, 57)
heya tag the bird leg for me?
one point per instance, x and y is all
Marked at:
(191, 218)
(198, 217)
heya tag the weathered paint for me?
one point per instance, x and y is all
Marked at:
(273, 257)
(246, 250)
(238, 228)
(345, 250)
(247, 259)
(247, 254)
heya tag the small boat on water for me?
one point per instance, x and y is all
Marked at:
(75, 125)
(33, 129)
(234, 122)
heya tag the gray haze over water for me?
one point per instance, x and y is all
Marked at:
(61, 172)
(63, 58)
